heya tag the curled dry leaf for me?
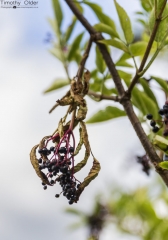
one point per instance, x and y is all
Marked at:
(60, 128)
(34, 162)
(82, 111)
(86, 76)
(94, 171)
(78, 148)
(84, 140)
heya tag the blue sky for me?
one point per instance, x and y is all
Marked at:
(26, 69)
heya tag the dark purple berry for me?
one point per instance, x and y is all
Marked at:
(71, 149)
(45, 187)
(57, 195)
(39, 160)
(149, 116)
(152, 123)
(155, 129)
(52, 148)
(62, 150)
(161, 112)
(52, 182)
(71, 202)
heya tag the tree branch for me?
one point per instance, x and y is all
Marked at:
(125, 101)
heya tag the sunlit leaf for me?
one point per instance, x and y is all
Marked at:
(58, 83)
(123, 64)
(138, 48)
(101, 27)
(125, 23)
(108, 113)
(164, 165)
(161, 143)
(115, 43)
(101, 16)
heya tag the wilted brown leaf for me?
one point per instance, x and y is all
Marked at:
(94, 171)
(87, 76)
(34, 162)
(78, 148)
(60, 128)
(82, 111)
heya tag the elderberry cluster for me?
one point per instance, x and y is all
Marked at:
(59, 163)
(155, 128)
(164, 113)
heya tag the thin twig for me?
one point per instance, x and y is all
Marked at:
(149, 46)
(83, 61)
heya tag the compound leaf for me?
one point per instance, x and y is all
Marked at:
(108, 113)
(115, 43)
(101, 27)
(125, 23)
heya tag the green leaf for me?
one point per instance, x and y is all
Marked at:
(70, 29)
(163, 83)
(146, 4)
(75, 46)
(164, 165)
(163, 26)
(101, 16)
(115, 43)
(125, 23)
(123, 64)
(144, 103)
(138, 48)
(124, 56)
(101, 27)
(54, 26)
(56, 52)
(58, 83)
(100, 61)
(161, 143)
(125, 76)
(58, 12)
(147, 90)
(107, 114)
